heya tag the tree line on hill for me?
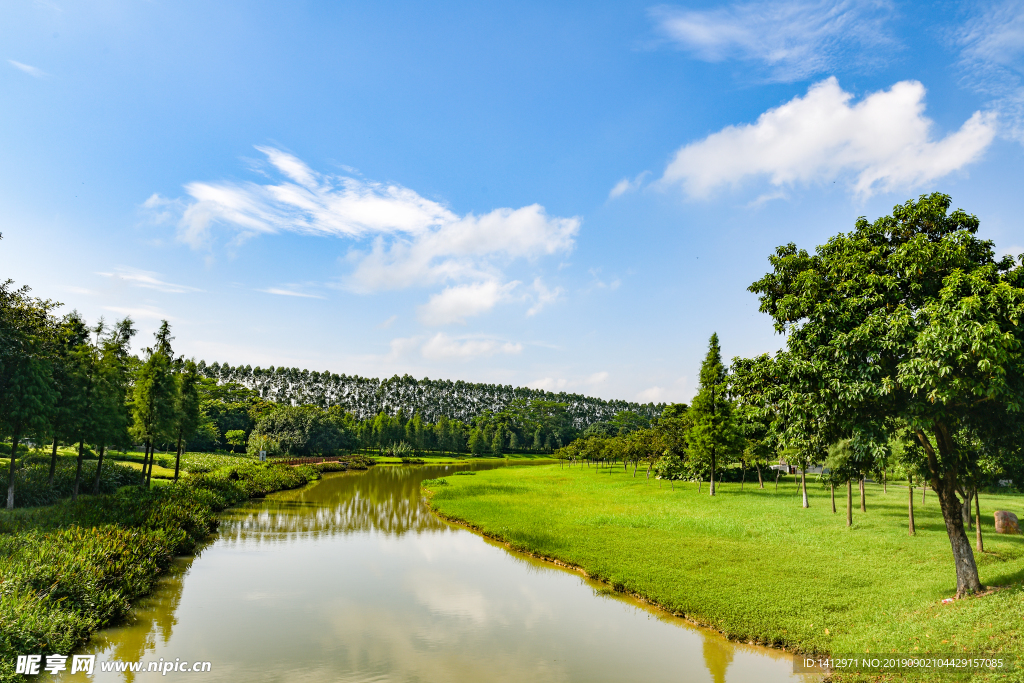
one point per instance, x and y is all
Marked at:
(367, 397)
(904, 356)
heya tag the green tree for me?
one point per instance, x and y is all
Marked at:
(26, 390)
(68, 401)
(189, 411)
(236, 438)
(154, 399)
(713, 437)
(910, 318)
(113, 380)
(477, 443)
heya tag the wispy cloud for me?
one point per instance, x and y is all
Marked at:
(992, 60)
(627, 185)
(542, 296)
(791, 40)
(289, 292)
(148, 280)
(881, 143)
(409, 241)
(141, 312)
(27, 68)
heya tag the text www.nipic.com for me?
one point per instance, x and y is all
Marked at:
(161, 667)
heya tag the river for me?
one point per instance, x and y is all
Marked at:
(354, 580)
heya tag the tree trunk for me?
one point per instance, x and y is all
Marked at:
(923, 489)
(700, 482)
(965, 508)
(885, 482)
(849, 502)
(910, 505)
(99, 466)
(649, 463)
(944, 484)
(832, 492)
(977, 512)
(145, 462)
(760, 481)
(78, 469)
(743, 480)
(863, 500)
(711, 486)
(10, 476)
(53, 462)
(177, 457)
(803, 486)
(152, 459)
(777, 480)
(636, 463)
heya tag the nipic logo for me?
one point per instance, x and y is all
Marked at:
(30, 664)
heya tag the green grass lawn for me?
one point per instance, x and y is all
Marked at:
(754, 564)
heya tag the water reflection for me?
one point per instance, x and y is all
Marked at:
(353, 580)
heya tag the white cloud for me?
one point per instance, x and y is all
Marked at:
(794, 39)
(543, 296)
(148, 280)
(659, 394)
(416, 241)
(992, 58)
(549, 384)
(441, 347)
(288, 292)
(455, 304)
(598, 378)
(141, 312)
(26, 68)
(883, 142)
(627, 185)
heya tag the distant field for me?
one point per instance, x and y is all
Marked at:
(755, 564)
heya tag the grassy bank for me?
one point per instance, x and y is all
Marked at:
(754, 564)
(73, 567)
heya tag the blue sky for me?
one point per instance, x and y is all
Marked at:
(566, 195)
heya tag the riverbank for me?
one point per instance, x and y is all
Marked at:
(755, 565)
(71, 568)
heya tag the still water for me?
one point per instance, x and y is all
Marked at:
(353, 580)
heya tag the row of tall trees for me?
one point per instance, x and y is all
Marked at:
(64, 382)
(366, 397)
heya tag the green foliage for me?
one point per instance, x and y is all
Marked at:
(909, 322)
(713, 436)
(306, 430)
(434, 482)
(32, 482)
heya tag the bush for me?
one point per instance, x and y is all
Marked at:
(31, 488)
(434, 482)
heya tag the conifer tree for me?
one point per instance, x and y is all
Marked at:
(713, 436)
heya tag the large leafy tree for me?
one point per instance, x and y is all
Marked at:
(189, 413)
(911, 319)
(712, 437)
